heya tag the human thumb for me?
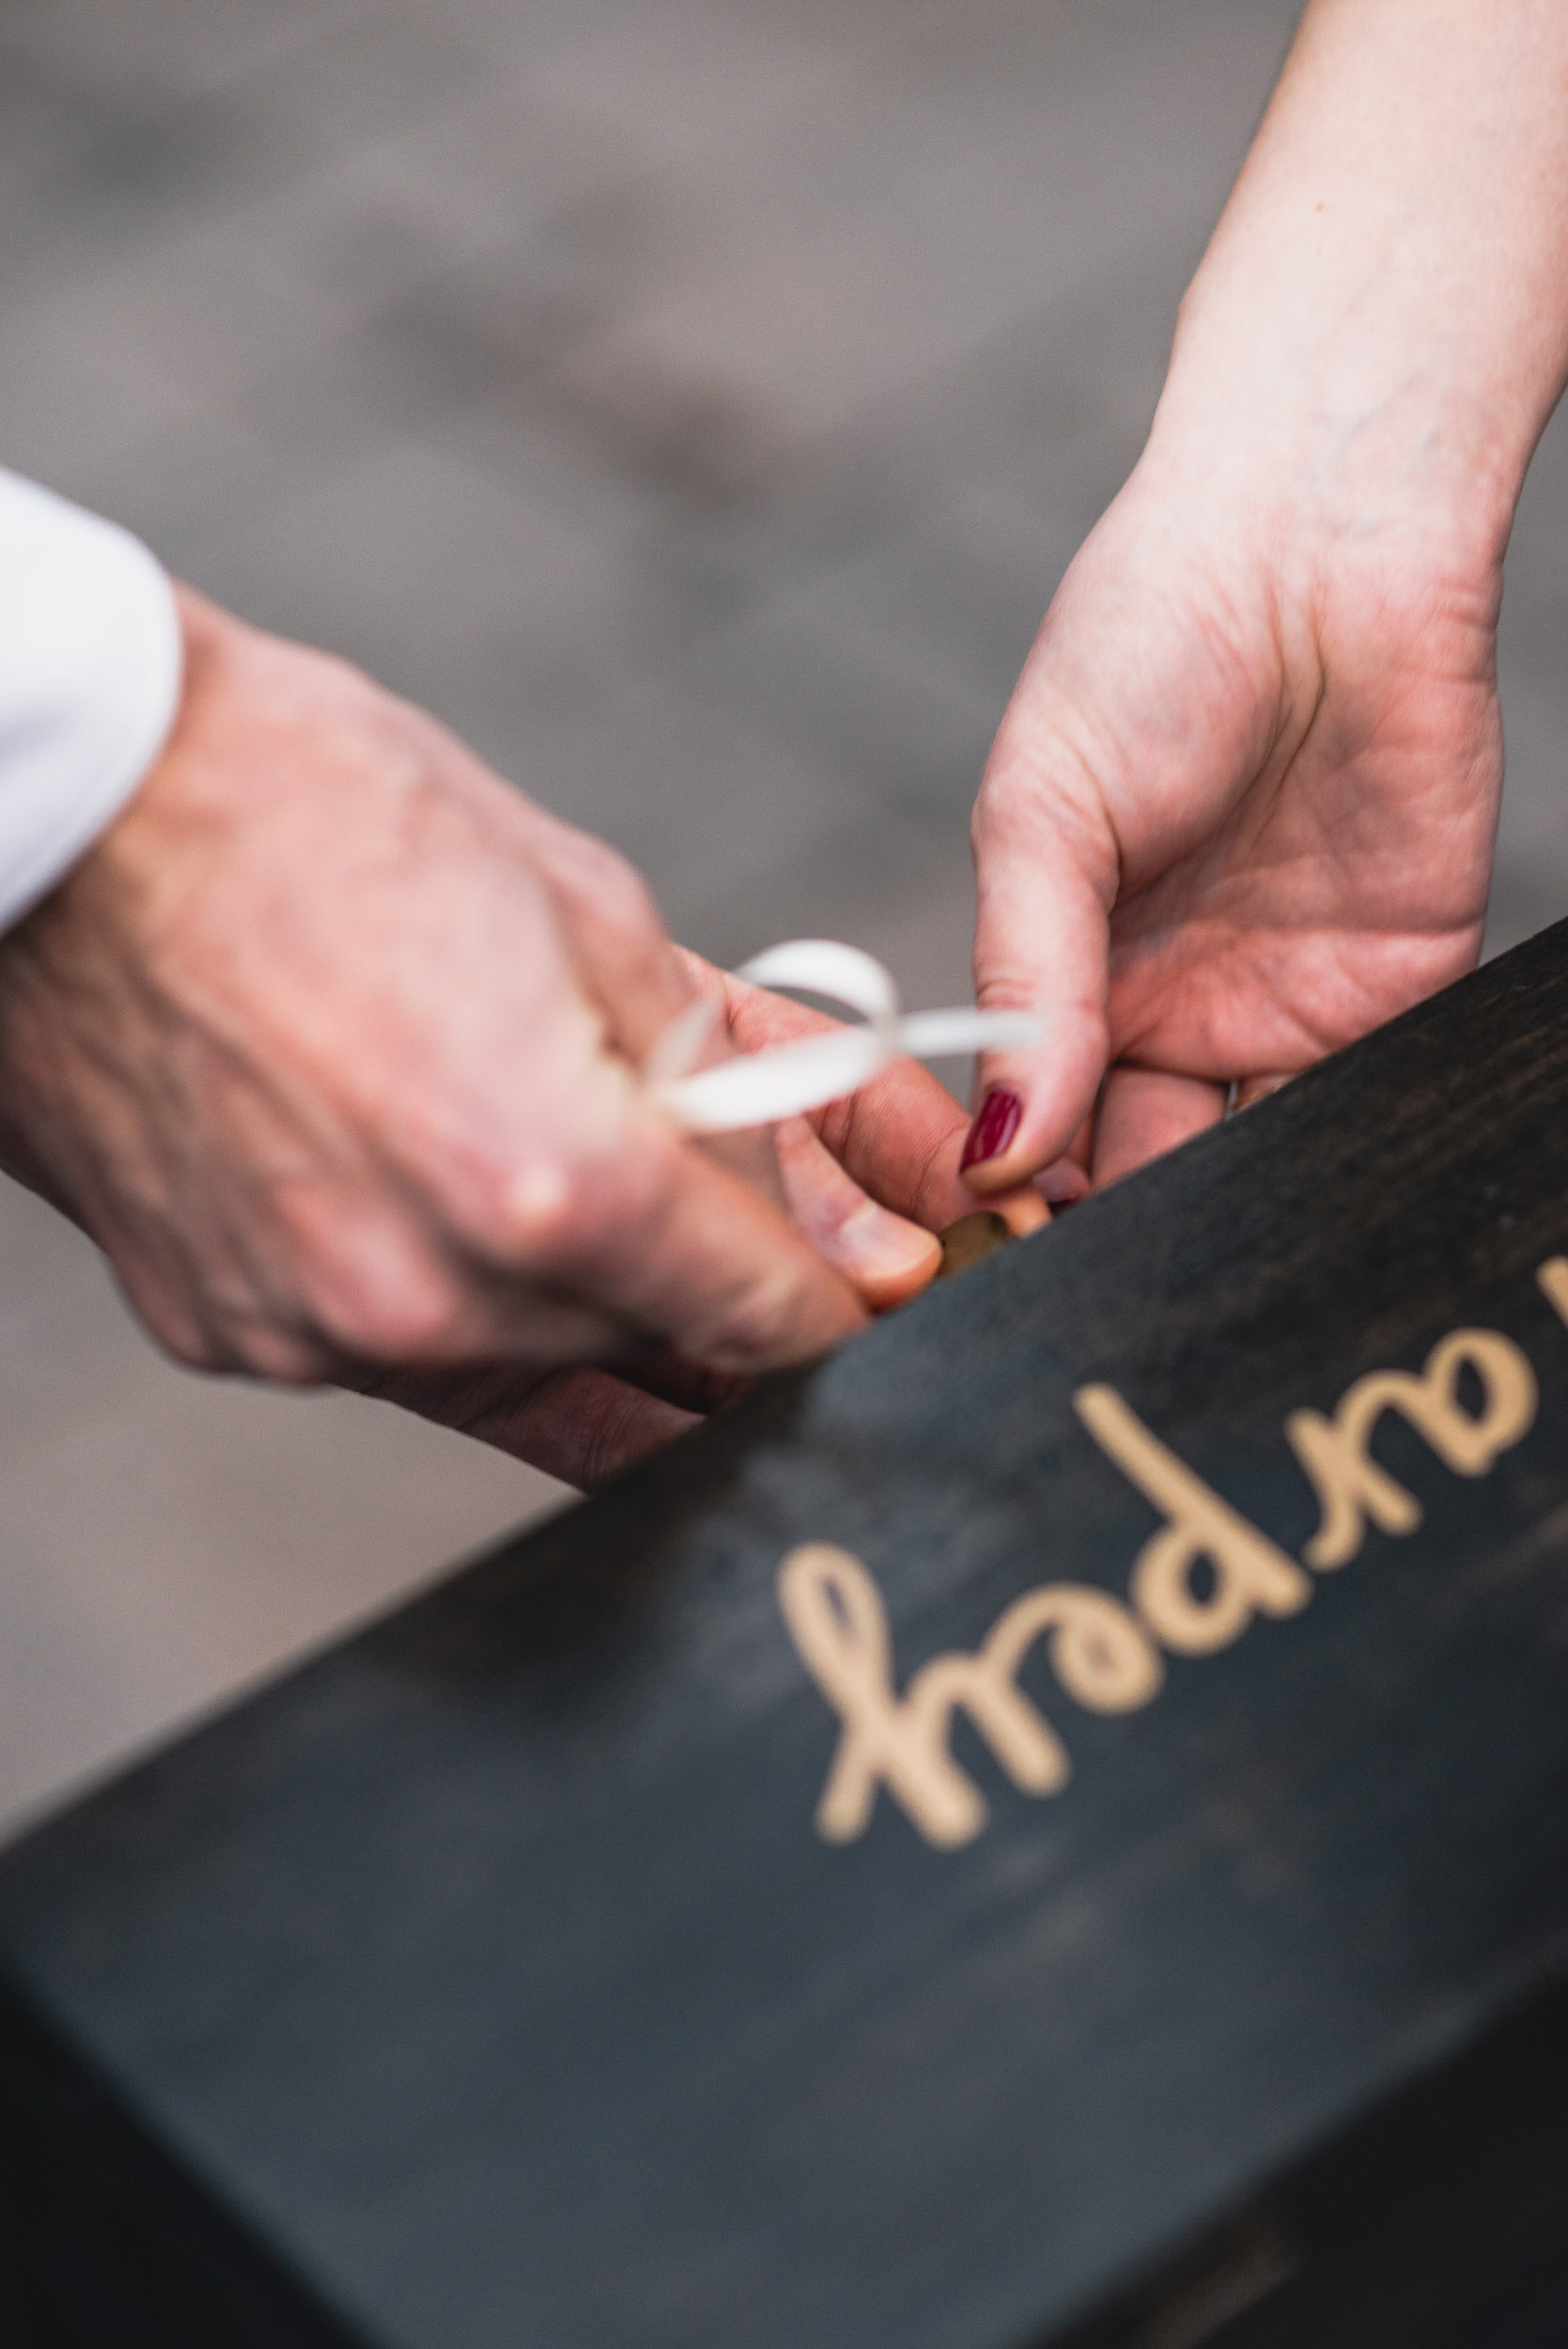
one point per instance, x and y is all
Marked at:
(1043, 882)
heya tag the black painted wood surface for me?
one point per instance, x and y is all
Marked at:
(486, 1984)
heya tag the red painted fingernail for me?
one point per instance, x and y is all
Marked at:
(993, 1129)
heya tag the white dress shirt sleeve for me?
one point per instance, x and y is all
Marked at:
(89, 682)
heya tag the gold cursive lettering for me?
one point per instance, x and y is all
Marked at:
(1351, 1486)
(1252, 1575)
(1100, 1651)
(1552, 1281)
(839, 1625)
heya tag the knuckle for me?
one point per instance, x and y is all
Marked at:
(1043, 782)
(355, 1273)
(624, 907)
(624, 895)
(173, 1323)
(1009, 807)
(192, 1348)
(1006, 986)
(555, 1216)
(384, 1325)
(284, 1358)
(393, 1306)
(623, 918)
(241, 1346)
(596, 1197)
(614, 888)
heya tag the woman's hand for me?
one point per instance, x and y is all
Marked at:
(1240, 811)
(332, 1044)
(1242, 806)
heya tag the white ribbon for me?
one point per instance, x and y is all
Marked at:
(785, 1078)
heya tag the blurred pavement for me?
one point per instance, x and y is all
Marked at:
(693, 403)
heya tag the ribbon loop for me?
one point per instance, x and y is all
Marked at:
(782, 1079)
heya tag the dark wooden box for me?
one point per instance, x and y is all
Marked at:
(1053, 1829)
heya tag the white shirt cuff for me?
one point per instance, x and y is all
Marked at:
(90, 659)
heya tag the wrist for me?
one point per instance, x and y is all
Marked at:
(1321, 423)
(1378, 332)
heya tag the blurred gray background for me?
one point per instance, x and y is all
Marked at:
(695, 402)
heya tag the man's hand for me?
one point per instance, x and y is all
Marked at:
(1242, 806)
(897, 1142)
(331, 1043)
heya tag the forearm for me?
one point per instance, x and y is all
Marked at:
(1382, 312)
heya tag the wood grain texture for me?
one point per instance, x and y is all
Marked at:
(486, 1983)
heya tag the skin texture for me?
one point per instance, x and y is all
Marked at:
(1242, 806)
(901, 1137)
(330, 1043)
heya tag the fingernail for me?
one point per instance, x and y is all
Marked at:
(1023, 1211)
(1000, 1115)
(879, 1246)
